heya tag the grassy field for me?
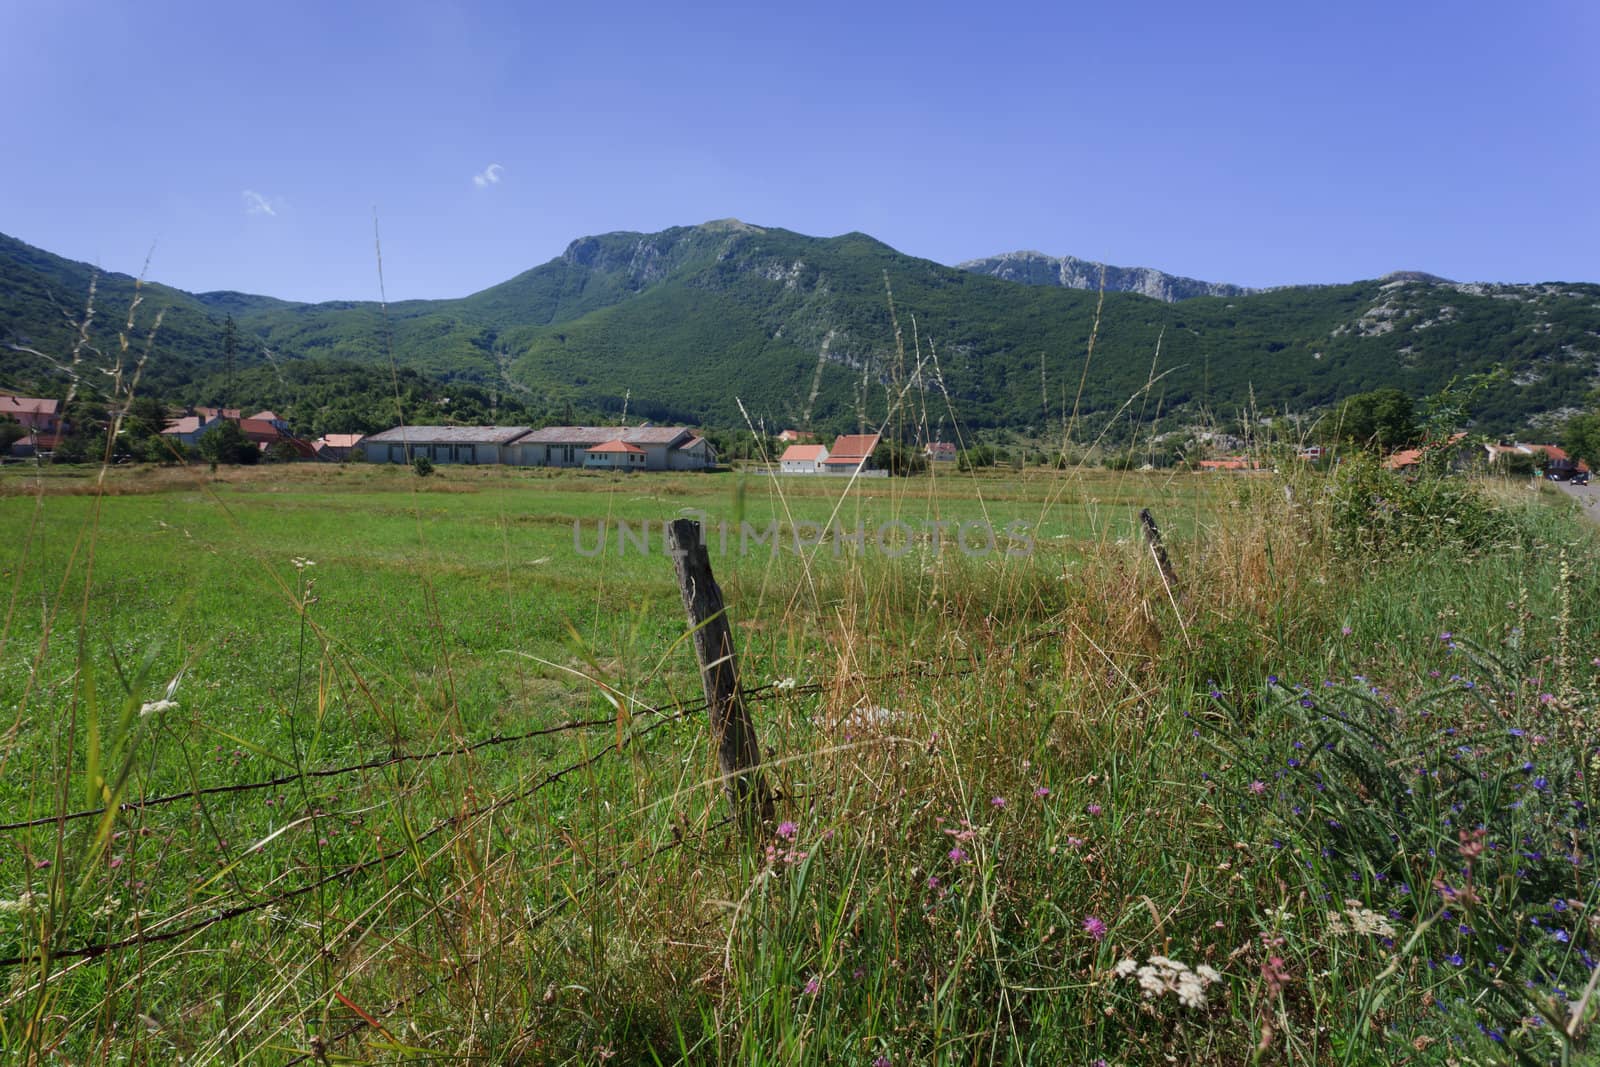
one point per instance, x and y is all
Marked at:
(345, 763)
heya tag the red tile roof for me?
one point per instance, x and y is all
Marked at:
(803, 454)
(27, 405)
(852, 447)
(259, 428)
(615, 447)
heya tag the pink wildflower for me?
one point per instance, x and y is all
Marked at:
(787, 830)
(1095, 928)
(958, 855)
(1258, 787)
(1276, 974)
(1042, 792)
(997, 802)
(1094, 809)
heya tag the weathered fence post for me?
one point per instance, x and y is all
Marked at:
(738, 750)
(1152, 537)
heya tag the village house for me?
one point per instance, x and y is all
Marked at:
(940, 452)
(851, 452)
(1409, 459)
(265, 433)
(40, 417)
(336, 447)
(263, 429)
(188, 429)
(803, 459)
(34, 413)
(1552, 460)
(614, 455)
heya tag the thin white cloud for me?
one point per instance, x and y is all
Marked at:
(489, 176)
(256, 204)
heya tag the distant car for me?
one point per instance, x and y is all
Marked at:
(1580, 478)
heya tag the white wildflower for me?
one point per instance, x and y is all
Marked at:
(156, 707)
(784, 683)
(1161, 975)
(23, 905)
(301, 563)
(1152, 981)
(1191, 992)
(1363, 921)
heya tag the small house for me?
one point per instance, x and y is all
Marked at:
(851, 452)
(803, 459)
(614, 455)
(336, 447)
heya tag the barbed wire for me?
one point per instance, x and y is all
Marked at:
(441, 824)
(677, 709)
(145, 938)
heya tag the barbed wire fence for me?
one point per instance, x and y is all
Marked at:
(190, 921)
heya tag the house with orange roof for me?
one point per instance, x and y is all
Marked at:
(851, 452)
(803, 459)
(614, 455)
(336, 447)
(1409, 459)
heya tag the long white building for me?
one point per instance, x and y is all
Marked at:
(651, 448)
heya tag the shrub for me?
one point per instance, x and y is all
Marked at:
(422, 465)
(1375, 511)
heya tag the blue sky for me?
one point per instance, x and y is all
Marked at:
(1259, 144)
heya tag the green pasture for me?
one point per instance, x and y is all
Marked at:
(975, 753)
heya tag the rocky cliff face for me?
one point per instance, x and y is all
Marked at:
(1069, 272)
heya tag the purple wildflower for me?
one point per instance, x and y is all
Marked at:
(1095, 928)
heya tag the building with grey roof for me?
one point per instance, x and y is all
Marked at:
(663, 447)
(442, 444)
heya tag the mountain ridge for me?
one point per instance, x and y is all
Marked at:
(686, 322)
(1069, 272)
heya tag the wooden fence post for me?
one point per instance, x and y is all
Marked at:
(1152, 537)
(738, 750)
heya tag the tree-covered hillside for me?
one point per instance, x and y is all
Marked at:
(681, 324)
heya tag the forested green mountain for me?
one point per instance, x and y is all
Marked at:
(676, 325)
